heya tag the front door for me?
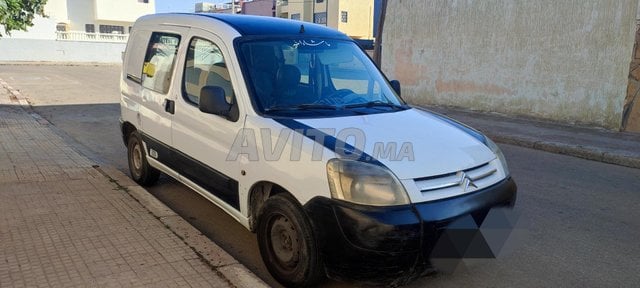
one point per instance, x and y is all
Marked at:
(203, 140)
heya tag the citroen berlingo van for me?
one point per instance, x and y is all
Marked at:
(292, 130)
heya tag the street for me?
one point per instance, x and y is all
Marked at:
(580, 219)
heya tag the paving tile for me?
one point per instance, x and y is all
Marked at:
(64, 224)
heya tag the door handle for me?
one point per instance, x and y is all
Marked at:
(170, 106)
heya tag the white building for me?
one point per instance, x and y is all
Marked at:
(87, 20)
(206, 7)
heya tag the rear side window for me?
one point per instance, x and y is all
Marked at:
(134, 57)
(205, 66)
(159, 61)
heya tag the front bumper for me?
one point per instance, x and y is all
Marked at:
(366, 242)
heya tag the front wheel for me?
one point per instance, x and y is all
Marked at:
(141, 171)
(287, 243)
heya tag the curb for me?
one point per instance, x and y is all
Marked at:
(620, 157)
(217, 258)
(15, 95)
(585, 152)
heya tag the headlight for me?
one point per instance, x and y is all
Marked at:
(492, 145)
(364, 183)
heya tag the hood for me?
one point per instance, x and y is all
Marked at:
(412, 143)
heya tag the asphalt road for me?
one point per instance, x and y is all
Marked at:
(579, 219)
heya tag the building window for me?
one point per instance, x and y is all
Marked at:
(89, 28)
(61, 27)
(111, 29)
(344, 16)
(319, 1)
(143, 1)
(320, 18)
(295, 16)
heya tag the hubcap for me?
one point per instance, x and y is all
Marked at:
(137, 157)
(284, 241)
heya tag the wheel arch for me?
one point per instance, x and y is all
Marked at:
(259, 193)
(127, 128)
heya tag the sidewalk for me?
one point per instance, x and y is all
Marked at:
(65, 222)
(602, 145)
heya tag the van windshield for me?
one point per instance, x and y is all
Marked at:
(315, 78)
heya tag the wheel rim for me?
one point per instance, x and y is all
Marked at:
(137, 157)
(285, 242)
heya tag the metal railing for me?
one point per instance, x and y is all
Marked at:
(91, 37)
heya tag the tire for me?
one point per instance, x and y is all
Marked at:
(139, 168)
(287, 243)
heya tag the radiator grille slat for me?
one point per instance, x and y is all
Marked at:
(460, 182)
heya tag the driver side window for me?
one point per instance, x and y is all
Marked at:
(205, 66)
(353, 76)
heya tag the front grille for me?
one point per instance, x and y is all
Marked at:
(461, 182)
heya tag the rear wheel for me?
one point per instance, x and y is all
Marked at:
(139, 168)
(287, 244)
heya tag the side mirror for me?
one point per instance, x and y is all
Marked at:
(149, 69)
(395, 84)
(213, 101)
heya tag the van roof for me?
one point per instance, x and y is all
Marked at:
(251, 25)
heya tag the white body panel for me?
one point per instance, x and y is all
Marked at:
(437, 147)
(242, 219)
(294, 169)
(155, 120)
(201, 136)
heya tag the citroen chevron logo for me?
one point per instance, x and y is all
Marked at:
(466, 182)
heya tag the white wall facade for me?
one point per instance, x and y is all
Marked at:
(60, 51)
(77, 13)
(57, 9)
(566, 61)
(39, 42)
(43, 28)
(80, 12)
(122, 10)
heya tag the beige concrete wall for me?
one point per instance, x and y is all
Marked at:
(561, 60)
(359, 18)
(300, 7)
(631, 111)
(258, 7)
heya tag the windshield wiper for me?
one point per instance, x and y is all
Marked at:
(374, 104)
(302, 107)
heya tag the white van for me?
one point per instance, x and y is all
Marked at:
(291, 129)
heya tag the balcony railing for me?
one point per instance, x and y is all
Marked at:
(91, 37)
